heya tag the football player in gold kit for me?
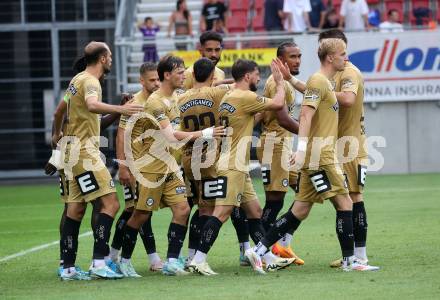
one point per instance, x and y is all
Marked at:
(149, 80)
(349, 87)
(198, 108)
(320, 175)
(234, 186)
(275, 149)
(156, 171)
(88, 178)
(211, 47)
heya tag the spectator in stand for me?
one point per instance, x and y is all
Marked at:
(392, 25)
(273, 15)
(181, 20)
(331, 19)
(354, 15)
(317, 15)
(211, 11)
(149, 30)
(297, 15)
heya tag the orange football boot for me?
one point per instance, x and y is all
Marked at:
(286, 252)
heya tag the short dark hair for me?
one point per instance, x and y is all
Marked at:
(210, 36)
(390, 12)
(241, 67)
(203, 68)
(332, 33)
(282, 47)
(148, 19)
(167, 64)
(147, 67)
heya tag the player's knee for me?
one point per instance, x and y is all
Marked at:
(110, 205)
(342, 202)
(356, 197)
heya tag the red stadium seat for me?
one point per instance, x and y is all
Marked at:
(241, 5)
(394, 4)
(258, 22)
(237, 21)
(373, 2)
(259, 5)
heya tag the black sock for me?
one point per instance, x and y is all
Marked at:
(287, 222)
(63, 218)
(239, 220)
(344, 230)
(147, 236)
(194, 231)
(270, 213)
(291, 230)
(209, 234)
(360, 224)
(69, 241)
(129, 242)
(256, 230)
(119, 229)
(102, 236)
(176, 236)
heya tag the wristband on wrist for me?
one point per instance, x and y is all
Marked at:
(208, 133)
(302, 146)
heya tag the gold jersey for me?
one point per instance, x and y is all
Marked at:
(154, 148)
(189, 77)
(351, 119)
(199, 109)
(237, 111)
(269, 122)
(82, 123)
(138, 98)
(320, 95)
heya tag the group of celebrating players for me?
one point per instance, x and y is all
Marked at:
(197, 121)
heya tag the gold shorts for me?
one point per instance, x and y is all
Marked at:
(170, 191)
(319, 185)
(234, 188)
(275, 177)
(87, 185)
(355, 174)
(64, 186)
(204, 191)
(130, 195)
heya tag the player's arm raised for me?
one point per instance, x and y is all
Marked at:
(297, 84)
(277, 102)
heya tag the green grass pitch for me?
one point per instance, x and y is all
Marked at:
(403, 238)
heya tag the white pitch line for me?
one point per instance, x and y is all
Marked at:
(38, 248)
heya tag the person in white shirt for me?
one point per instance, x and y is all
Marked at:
(296, 15)
(354, 15)
(392, 25)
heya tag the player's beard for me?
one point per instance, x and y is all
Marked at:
(215, 60)
(294, 72)
(253, 87)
